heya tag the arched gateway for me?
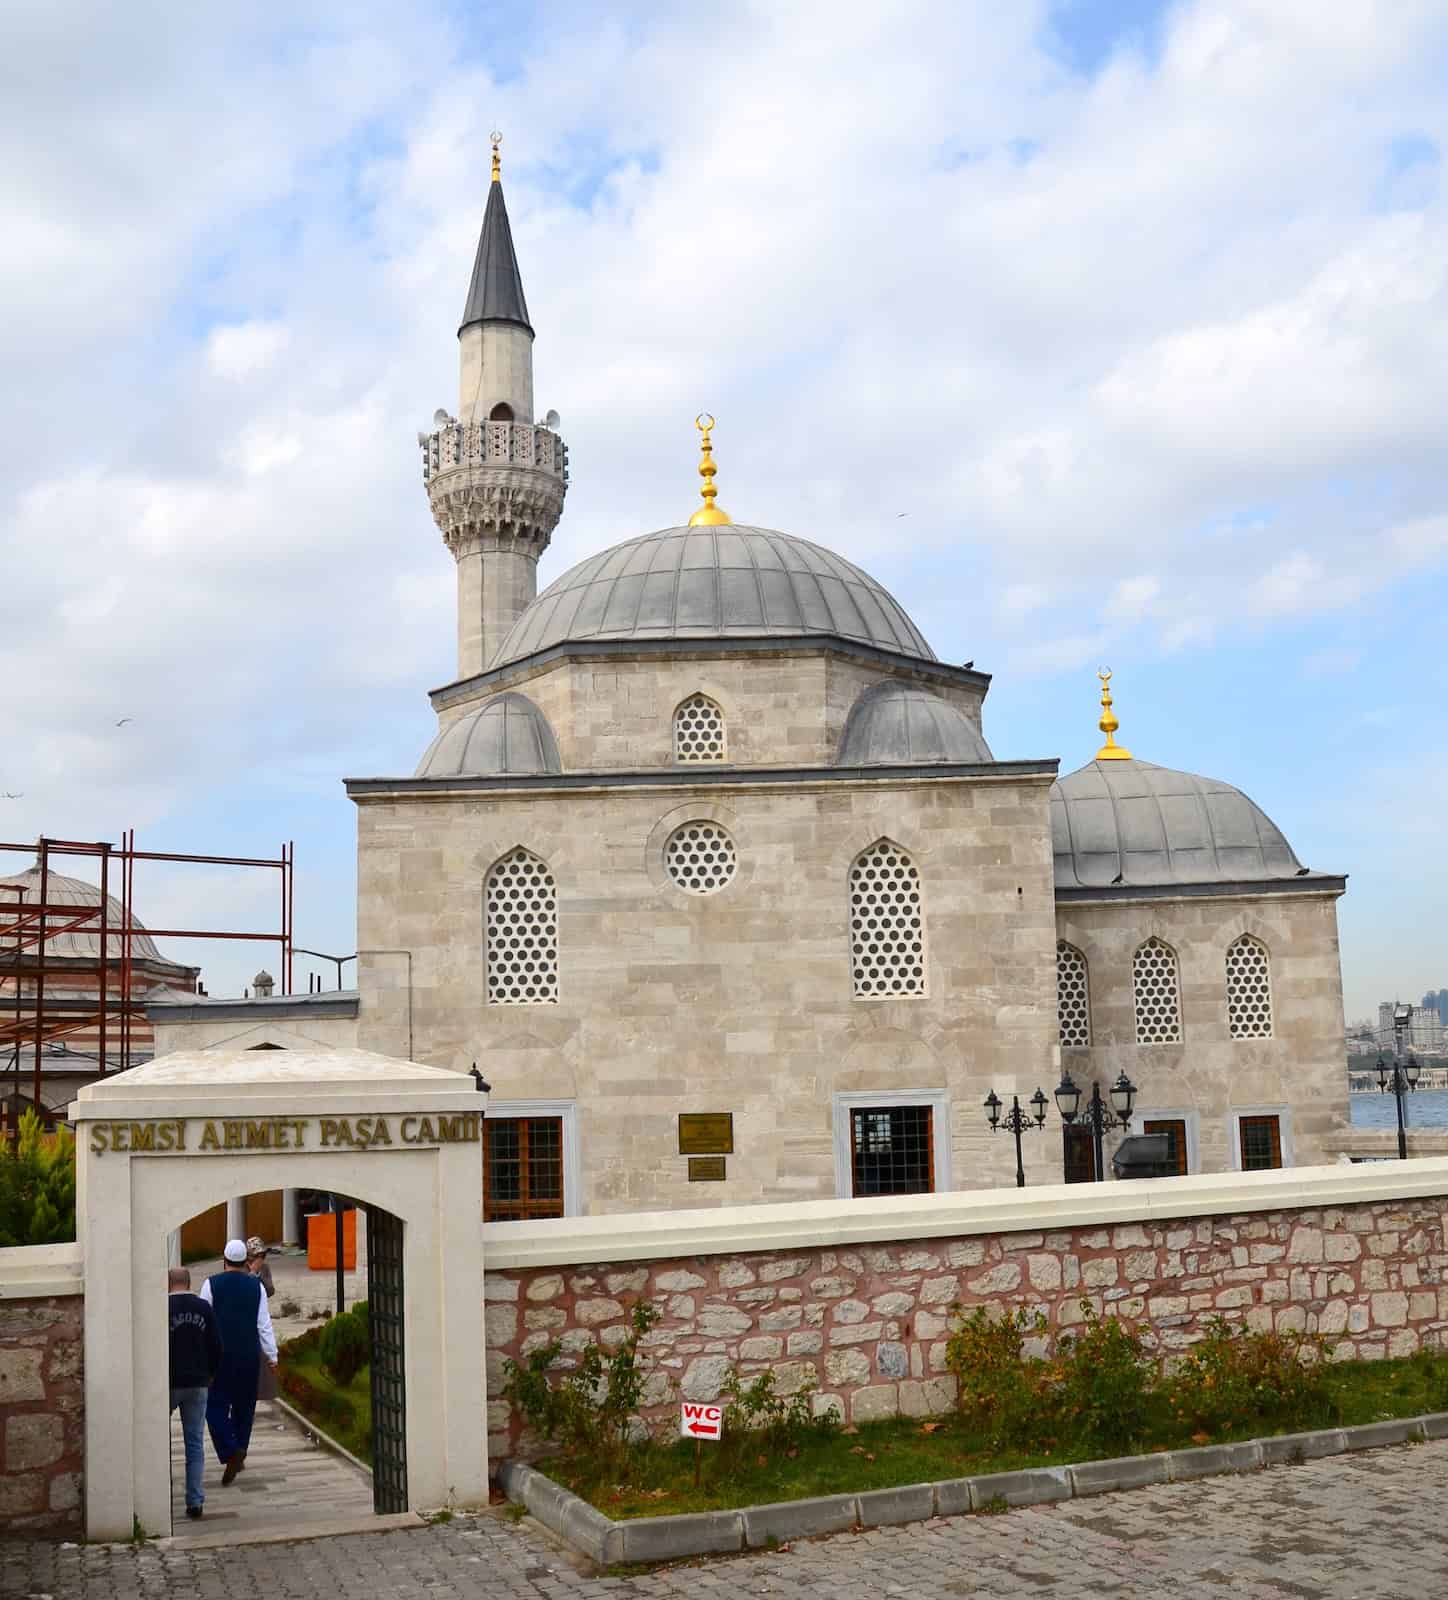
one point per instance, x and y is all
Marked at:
(162, 1142)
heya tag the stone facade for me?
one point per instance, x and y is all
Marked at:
(42, 1414)
(1210, 1078)
(869, 1323)
(669, 1002)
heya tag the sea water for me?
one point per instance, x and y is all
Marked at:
(1422, 1108)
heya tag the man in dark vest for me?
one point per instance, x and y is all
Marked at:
(246, 1339)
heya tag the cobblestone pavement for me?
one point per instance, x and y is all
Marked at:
(1359, 1526)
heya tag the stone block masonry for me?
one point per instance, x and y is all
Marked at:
(42, 1414)
(869, 1322)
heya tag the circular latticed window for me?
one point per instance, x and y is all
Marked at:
(1158, 994)
(1249, 989)
(698, 730)
(700, 857)
(887, 933)
(522, 932)
(1073, 1001)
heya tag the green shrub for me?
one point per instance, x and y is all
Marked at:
(590, 1411)
(1004, 1396)
(37, 1186)
(1234, 1378)
(345, 1344)
(1104, 1381)
(759, 1421)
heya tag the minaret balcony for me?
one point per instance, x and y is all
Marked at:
(493, 444)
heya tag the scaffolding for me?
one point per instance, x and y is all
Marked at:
(29, 929)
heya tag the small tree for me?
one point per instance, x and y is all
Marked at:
(37, 1186)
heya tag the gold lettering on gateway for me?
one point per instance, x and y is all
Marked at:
(284, 1133)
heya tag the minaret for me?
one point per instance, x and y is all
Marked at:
(496, 481)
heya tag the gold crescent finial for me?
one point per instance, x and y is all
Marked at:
(1110, 751)
(708, 515)
(497, 139)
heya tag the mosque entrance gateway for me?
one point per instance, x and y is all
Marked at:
(191, 1130)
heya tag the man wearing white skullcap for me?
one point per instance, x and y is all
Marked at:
(246, 1337)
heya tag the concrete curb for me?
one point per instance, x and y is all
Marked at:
(325, 1441)
(723, 1532)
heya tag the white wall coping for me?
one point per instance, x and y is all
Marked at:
(29, 1271)
(826, 1224)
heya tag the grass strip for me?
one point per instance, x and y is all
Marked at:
(883, 1455)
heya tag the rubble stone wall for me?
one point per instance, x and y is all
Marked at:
(42, 1414)
(869, 1323)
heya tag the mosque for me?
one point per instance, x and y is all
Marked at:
(711, 872)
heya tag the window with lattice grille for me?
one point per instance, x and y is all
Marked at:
(700, 857)
(522, 932)
(1158, 994)
(887, 930)
(699, 730)
(522, 1168)
(1073, 995)
(1249, 989)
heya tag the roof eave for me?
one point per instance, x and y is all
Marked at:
(1312, 883)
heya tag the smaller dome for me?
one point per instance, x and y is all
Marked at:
(895, 724)
(1130, 824)
(507, 734)
(64, 891)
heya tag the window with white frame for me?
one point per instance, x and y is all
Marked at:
(521, 901)
(891, 1141)
(887, 924)
(1157, 988)
(699, 730)
(1073, 995)
(530, 1160)
(1249, 989)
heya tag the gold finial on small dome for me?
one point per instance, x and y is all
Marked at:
(497, 139)
(1110, 751)
(708, 515)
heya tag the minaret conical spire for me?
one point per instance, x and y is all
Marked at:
(496, 291)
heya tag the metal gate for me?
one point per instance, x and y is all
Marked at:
(389, 1386)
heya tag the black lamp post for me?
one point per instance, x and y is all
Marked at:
(1097, 1115)
(1017, 1122)
(1401, 1072)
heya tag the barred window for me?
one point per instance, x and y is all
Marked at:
(522, 932)
(522, 1168)
(887, 932)
(1158, 994)
(1073, 995)
(892, 1150)
(699, 730)
(1260, 1143)
(1249, 989)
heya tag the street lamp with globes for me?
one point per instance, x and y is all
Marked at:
(1016, 1121)
(1096, 1115)
(1400, 1073)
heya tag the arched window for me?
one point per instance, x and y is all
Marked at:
(1158, 994)
(1249, 989)
(521, 902)
(887, 924)
(699, 730)
(1073, 995)
(502, 412)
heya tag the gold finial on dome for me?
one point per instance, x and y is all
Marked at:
(497, 139)
(708, 515)
(1110, 751)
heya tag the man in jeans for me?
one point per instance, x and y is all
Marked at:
(195, 1361)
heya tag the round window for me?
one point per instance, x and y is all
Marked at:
(700, 857)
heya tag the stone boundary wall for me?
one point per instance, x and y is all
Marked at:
(42, 1413)
(868, 1321)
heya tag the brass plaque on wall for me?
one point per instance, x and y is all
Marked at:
(706, 1169)
(706, 1133)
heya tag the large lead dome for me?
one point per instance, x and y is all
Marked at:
(710, 583)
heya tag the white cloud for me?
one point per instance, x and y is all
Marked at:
(244, 349)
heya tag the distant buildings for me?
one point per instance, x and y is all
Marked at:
(1424, 1033)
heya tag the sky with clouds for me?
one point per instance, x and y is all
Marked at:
(1102, 331)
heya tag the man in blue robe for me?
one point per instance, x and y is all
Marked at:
(247, 1339)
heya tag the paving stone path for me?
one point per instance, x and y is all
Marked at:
(1355, 1527)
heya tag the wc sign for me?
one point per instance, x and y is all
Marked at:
(701, 1422)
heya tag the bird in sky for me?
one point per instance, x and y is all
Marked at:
(10, 796)
(124, 721)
